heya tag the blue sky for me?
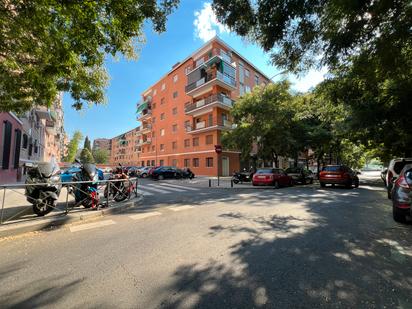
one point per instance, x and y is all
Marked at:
(188, 28)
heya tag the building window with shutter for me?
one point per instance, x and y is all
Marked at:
(187, 162)
(209, 139)
(195, 141)
(7, 131)
(195, 162)
(174, 162)
(175, 78)
(162, 116)
(174, 128)
(209, 162)
(175, 94)
(161, 162)
(162, 147)
(174, 111)
(187, 143)
(174, 145)
(17, 147)
(25, 141)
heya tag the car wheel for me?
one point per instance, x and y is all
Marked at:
(322, 184)
(144, 175)
(276, 185)
(161, 177)
(303, 181)
(349, 184)
(356, 183)
(398, 216)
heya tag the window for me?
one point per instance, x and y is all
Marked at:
(153, 163)
(174, 128)
(153, 149)
(174, 162)
(162, 101)
(162, 162)
(7, 127)
(175, 95)
(187, 123)
(187, 69)
(174, 111)
(17, 146)
(200, 61)
(186, 162)
(209, 139)
(142, 163)
(241, 89)
(163, 86)
(162, 116)
(247, 73)
(162, 147)
(36, 147)
(256, 80)
(195, 162)
(187, 143)
(154, 92)
(174, 145)
(148, 163)
(153, 105)
(209, 162)
(25, 141)
(195, 141)
(247, 89)
(162, 132)
(175, 78)
(153, 134)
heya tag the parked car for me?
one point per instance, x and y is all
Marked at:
(151, 170)
(164, 172)
(394, 168)
(300, 175)
(143, 172)
(132, 171)
(402, 194)
(271, 177)
(338, 175)
(186, 173)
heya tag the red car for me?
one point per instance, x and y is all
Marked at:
(271, 177)
(338, 175)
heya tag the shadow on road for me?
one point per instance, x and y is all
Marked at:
(346, 254)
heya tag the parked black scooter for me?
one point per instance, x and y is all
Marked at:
(45, 187)
(85, 192)
(242, 177)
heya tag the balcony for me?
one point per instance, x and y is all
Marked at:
(215, 55)
(43, 113)
(204, 126)
(206, 105)
(146, 128)
(206, 83)
(147, 141)
(145, 115)
(50, 127)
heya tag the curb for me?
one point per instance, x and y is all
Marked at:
(14, 229)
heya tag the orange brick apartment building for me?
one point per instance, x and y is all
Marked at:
(184, 114)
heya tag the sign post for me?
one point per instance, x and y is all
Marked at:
(218, 150)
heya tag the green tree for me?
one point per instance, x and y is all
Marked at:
(101, 156)
(50, 46)
(87, 144)
(86, 156)
(266, 117)
(73, 146)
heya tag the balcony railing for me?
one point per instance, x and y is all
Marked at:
(229, 80)
(210, 124)
(213, 56)
(146, 127)
(209, 100)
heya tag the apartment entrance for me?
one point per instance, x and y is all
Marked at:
(225, 166)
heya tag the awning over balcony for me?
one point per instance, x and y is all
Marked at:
(142, 106)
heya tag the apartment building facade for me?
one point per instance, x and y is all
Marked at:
(102, 144)
(125, 148)
(184, 114)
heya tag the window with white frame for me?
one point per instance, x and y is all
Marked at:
(163, 86)
(175, 78)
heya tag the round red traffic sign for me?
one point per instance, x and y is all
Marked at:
(218, 149)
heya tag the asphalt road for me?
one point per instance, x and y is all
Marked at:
(299, 247)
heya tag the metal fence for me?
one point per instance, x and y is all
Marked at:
(126, 187)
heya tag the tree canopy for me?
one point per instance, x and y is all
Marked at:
(86, 156)
(87, 144)
(100, 156)
(73, 146)
(49, 46)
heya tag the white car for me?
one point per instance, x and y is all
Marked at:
(394, 169)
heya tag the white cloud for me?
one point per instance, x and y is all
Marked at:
(206, 24)
(311, 79)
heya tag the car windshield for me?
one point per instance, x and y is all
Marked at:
(265, 171)
(398, 166)
(332, 168)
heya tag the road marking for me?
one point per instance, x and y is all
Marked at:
(182, 187)
(157, 190)
(172, 188)
(180, 208)
(145, 215)
(89, 226)
(144, 192)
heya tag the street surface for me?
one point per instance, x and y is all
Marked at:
(189, 246)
